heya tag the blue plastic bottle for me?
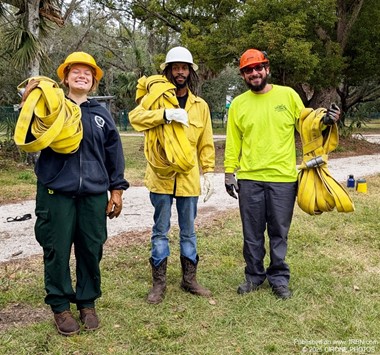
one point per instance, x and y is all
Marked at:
(351, 181)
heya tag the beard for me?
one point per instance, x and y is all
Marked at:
(260, 87)
(180, 85)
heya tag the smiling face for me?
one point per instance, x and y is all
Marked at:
(80, 79)
(256, 77)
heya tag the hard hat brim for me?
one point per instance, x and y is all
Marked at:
(61, 69)
(266, 61)
(163, 65)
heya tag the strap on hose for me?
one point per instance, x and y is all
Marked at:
(55, 121)
(318, 191)
(167, 148)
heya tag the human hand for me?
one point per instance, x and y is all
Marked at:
(178, 115)
(332, 115)
(231, 184)
(115, 204)
(24, 92)
(208, 185)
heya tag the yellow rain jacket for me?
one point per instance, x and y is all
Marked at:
(200, 137)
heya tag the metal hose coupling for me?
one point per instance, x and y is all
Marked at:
(315, 162)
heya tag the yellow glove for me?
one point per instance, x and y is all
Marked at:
(115, 204)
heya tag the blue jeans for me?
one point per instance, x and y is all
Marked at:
(187, 212)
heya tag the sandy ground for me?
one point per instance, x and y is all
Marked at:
(17, 238)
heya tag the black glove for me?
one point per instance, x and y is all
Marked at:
(231, 184)
(332, 115)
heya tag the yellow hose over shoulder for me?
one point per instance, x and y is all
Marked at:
(53, 120)
(167, 148)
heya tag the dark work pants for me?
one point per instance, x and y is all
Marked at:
(266, 205)
(63, 221)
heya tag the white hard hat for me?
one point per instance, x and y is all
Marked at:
(179, 55)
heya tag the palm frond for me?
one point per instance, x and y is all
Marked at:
(25, 46)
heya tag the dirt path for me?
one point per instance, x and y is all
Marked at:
(17, 238)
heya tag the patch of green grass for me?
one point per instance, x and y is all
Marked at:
(17, 181)
(27, 176)
(335, 273)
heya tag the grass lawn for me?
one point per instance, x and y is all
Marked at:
(335, 263)
(335, 276)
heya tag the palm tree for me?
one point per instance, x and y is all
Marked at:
(25, 34)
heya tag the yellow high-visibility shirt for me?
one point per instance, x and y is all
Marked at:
(260, 143)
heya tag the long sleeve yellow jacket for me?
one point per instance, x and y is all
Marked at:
(200, 137)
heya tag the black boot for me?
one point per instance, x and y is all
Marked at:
(189, 280)
(156, 294)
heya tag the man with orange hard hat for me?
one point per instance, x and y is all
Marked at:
(260, 148)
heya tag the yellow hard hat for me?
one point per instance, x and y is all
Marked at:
(79, 58)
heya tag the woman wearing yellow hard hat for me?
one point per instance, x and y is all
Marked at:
(72, 201)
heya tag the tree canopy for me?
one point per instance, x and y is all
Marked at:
(326, 49)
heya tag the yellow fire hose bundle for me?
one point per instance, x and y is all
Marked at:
(54, 120)
(167, 148)
(318, 191)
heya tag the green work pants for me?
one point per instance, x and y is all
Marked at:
(63, 221)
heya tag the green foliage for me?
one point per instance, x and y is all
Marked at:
(363, 52)
(27, 176)
(25, 46)
(215, 91)
(310, 43)
(288, 31)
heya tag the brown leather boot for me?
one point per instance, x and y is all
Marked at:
(66, 324)
(156, 294)
(89, 318)
(189, 279)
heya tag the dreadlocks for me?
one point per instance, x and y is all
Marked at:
(192, 80)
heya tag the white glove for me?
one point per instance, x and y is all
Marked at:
(208, 185)
(178, 115)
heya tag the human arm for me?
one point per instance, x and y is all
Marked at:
(142, 119)
(115, 165)
(232, 153)
(205, 148)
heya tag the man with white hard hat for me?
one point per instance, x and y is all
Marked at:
(191, 111)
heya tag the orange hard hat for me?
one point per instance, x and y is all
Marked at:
(252, 57)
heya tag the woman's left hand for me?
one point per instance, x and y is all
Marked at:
(115, 204)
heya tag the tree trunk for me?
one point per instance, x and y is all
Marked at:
(32, 19)
(324, 98)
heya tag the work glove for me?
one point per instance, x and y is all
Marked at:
(332, 115)
(24, 92)
(231, 184)
(178, 115)
(208, 185)
(115, 204)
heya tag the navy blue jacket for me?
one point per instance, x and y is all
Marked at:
(98, 164)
